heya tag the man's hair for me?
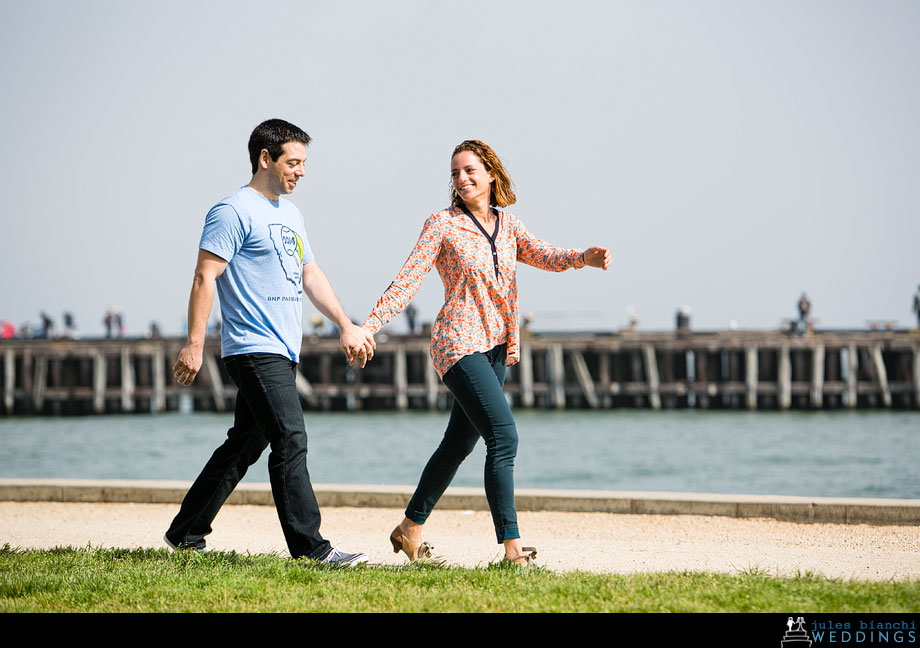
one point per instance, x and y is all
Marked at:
(271, 135)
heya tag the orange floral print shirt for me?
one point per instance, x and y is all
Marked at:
(480, 301)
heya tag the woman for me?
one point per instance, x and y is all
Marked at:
(475, 247)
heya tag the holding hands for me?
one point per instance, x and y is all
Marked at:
(358, 344)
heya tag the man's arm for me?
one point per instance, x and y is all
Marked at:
(207, 270)
(357, 342)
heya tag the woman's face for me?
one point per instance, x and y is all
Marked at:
(470, 178)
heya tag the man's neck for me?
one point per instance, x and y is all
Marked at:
(261, 187)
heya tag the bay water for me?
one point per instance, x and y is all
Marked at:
(816, 454)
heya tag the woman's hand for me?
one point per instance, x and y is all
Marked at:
(597, 257)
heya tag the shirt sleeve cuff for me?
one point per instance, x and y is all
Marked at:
(373, 323)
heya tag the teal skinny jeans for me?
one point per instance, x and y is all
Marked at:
(480, 410)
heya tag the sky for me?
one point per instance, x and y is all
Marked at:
(730, 153)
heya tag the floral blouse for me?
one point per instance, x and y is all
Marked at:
(480, 288)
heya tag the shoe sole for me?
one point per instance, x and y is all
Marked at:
(352, 563)
(357, 560)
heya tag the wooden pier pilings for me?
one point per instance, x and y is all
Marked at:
(723, 370)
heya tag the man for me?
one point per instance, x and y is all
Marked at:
(254, 250)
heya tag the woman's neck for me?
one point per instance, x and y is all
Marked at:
(480, 210)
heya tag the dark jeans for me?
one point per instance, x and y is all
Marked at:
(479, 410)
(268, 412)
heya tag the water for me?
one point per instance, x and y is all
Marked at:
(817, 454)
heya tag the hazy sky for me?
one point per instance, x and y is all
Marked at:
(730, 153)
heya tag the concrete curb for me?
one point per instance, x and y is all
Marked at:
(832, 510)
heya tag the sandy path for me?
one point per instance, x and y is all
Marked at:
(598, 542)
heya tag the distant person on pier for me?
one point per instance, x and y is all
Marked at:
(917, 305)
(109, 322)
(411, 313)
(254, 251)
(801, 327)
(7, 330)
(47, 331)
(804, 307)
(119, 323)
(475, 245)
(317, 323)
(683, 319)
(70, 326)
(527, 324)
(633, 319)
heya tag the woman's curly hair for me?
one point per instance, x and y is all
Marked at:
(502, 194)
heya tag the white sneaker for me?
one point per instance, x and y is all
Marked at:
(340, 558)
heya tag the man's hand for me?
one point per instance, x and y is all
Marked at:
(188, 364)
(358, 343)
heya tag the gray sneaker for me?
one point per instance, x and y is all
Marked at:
(174, 547)
(342, 559)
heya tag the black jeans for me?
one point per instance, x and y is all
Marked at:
(479, 410)
(268, 412)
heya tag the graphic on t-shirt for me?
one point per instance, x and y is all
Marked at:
(290, 252)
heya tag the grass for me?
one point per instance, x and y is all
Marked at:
(155, 580)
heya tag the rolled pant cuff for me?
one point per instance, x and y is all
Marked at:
(509, 532)
(415, 516)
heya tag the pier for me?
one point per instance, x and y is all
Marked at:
(753, 370)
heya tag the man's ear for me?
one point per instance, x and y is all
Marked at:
(265, 159)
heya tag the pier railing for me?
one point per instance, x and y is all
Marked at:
(718, 370)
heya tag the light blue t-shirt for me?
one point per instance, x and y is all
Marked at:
(261, 291)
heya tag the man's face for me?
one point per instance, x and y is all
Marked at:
(287, 169)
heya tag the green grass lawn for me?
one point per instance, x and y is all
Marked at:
(155, 580)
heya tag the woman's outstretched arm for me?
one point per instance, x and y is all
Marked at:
(543, 255)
